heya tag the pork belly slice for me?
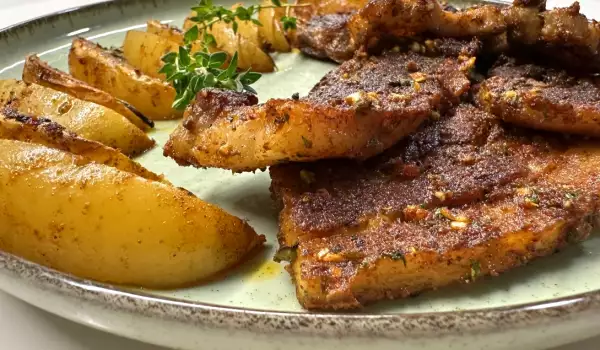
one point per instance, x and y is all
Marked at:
(541, 98)
(356, 111)
(464, 197)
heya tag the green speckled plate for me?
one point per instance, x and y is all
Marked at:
(550, 302)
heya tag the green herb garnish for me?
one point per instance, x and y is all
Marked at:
(571, 195)
(307, 143)
(475, 270)
(398, 255)
(191, 72)
(533, 198)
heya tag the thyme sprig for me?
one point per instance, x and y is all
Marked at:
(189, 72)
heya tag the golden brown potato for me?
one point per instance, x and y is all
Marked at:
(108, 72)
(19, 127)
(86, 119)
(144, 51)
(271, 30)
(175, 35)
(39, 72)
(166, 31)
(101, 223)
(246, 42)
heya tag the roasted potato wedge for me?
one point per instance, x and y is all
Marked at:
(101, 223)
(19, 127)
(271, 30)
(108, 72)
(166, 31)
(175, 35)
(86, 119)
(39, 72)
(246, 42)
(144, 51)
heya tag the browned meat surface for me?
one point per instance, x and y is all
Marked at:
(465, 196)
(541, 98)
(322, 28)
(357, 111)
(561, 35)
(381, 19)
(326, 37)
(310, 8)
(336, 32)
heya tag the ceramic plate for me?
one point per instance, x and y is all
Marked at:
(549, 302)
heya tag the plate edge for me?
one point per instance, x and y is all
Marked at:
(392, 326)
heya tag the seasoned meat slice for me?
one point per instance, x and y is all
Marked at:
(307, 9)
(542, 98)
(337, 32)
(322, 30)
(381, 19)
(563, 35)
(358, 110)
(326, 37)
(463, 197)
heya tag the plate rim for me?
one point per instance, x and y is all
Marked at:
(388, 325)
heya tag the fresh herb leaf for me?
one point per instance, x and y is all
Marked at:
(190, 72)
(191, 35)
(249, 78)
(169, 58)
(307, 143)
(398, 255)
(184, 56)
(250, 89)
(209, 40)
(571, 195)
(232, 65)
(216, 60)
(289, 23)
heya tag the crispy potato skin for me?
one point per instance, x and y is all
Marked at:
(98, 67)
(86, 119)
(15, 126)
(97, 222)
(271, 30)
(175, 35)
(166, 31)
(144, 51)
(38, 72)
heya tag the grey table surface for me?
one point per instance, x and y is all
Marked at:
(24, 327)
